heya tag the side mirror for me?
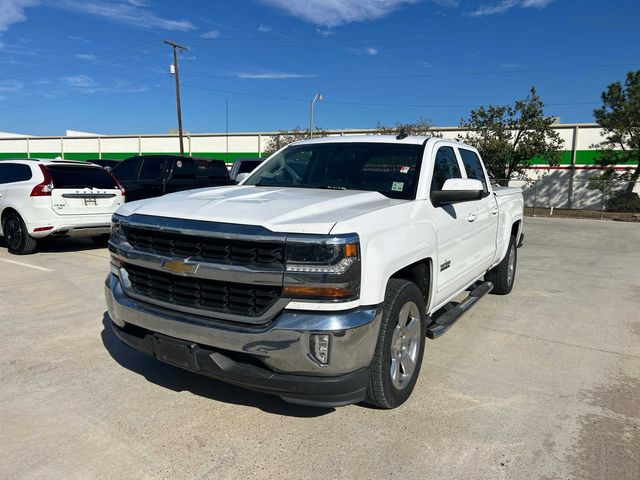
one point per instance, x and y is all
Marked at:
(240, 177)
(456, 190)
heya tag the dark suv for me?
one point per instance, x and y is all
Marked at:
(149, 176)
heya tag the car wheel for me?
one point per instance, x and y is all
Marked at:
(503, 275)
(101, 240)
(18, 240)
(396, 363)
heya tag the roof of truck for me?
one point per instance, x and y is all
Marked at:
(409, 140)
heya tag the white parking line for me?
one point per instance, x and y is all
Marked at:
(42, 269)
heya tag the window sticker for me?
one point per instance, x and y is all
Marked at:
(397, 186)
(404, 169)
(179, 164)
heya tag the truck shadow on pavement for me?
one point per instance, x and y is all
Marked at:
(178, 380)
(62, 245)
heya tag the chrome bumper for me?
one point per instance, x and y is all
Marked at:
(283, 345)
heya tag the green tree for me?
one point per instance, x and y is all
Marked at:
(619, 117)
(511, 137)
(285, 137)
(419, 127)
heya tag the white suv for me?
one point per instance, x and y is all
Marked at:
(40, 198)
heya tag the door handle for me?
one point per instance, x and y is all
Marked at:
(471, 217)
(494, 211)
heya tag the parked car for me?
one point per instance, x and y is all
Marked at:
(320, 276)
(105, 163)
(150, 176)
(244, 165)
(46, 198)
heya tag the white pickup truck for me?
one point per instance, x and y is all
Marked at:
(320, 276)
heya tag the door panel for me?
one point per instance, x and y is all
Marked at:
(456, 242)
(486, 222)
(455, 230)
(486, 231)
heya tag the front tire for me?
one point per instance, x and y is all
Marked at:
(396, 362)
(16, 236)
(503, 275)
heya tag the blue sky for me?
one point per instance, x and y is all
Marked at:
(101, 66)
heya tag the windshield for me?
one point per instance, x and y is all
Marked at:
(389, 168)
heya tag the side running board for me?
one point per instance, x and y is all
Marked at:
(444, 321)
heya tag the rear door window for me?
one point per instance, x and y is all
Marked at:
(21, 172)
(14, 172)
(72, 176)
(195, 168)
(445, 167)
(473, 166)
(247, 166)
(152, 168)
(127, 170)
(5, 172)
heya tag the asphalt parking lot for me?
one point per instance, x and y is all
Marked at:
(543, 383)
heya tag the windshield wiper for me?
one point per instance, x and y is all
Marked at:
(326, 187)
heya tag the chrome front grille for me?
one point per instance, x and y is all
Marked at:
(206, 249)
(207, 295)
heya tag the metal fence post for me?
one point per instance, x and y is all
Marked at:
(604, 190)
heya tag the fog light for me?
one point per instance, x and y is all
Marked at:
(321, 347)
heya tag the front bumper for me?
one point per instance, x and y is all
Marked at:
(274, 358)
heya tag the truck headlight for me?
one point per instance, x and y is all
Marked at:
(117, 233)
(320, 267)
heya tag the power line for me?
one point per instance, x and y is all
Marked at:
(437, 75)
(48, 69)
(79, 95)
(366, 104)
(246, 94)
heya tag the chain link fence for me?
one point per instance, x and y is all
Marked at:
(593, 195)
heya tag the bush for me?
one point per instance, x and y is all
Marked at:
(624, 202)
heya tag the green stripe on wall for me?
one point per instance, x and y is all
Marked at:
(583, 157)
(227, 157)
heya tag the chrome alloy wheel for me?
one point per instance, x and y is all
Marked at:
(511, 266)
(405, 344)
(13, 232)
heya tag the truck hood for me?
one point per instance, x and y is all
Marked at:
(295, 210)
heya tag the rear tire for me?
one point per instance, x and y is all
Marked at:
(101, 240)
(16, 236)
(398, 356)
(503, 275)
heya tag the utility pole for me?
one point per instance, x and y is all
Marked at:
(177, 47)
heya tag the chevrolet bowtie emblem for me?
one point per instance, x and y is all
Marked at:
(179, 267)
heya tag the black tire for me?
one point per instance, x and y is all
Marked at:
(16, 237)
(101, 240)
(382, 392)
(500, 274)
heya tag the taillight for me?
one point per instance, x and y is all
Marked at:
(44, 188)
(117, 183)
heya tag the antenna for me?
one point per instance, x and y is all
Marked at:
(402, 135)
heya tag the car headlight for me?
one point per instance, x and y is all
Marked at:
(117, 233)
(320, 267)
